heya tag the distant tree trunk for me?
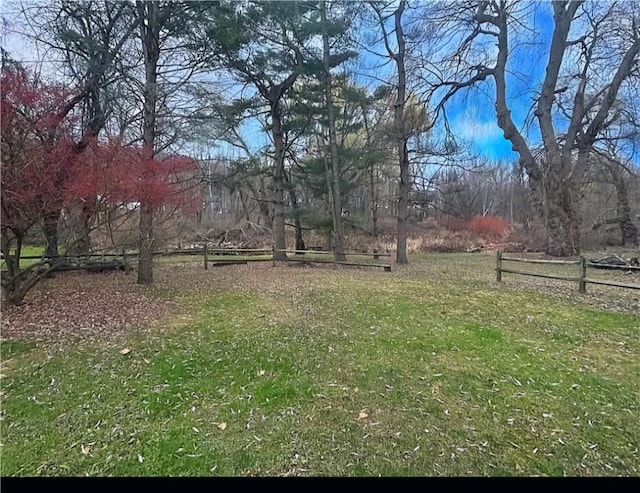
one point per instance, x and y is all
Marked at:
(82, 245)
(263, 205)
(296, 214)
(338, 229)
(374, 202)
(50, 229)
(628, 230)
(150, 33)
(300, 245)
(373, 180)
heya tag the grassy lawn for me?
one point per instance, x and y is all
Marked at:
(433, 369)
(27, 251)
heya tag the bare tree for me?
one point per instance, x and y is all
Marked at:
(401, 135)
(592, 54)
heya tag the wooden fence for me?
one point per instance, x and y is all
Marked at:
(299, 253)
(88, 262)
(233, 256)
(581, 277)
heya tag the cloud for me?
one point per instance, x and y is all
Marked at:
(485, 137)
(476, 131)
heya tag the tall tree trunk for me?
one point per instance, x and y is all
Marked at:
(403, 154)
(279, 239)
(150, 33)
(338, 229)
(561, 218)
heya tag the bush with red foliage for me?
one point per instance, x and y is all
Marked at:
(488, 227)
(36, 148)
(44, 171)
(112, 174)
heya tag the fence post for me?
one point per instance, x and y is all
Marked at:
(582, 285)
(206, 265)
(273, 256)
(499, 266)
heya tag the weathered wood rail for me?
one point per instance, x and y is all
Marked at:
(581, 278)
(233, 256)
(299, 253)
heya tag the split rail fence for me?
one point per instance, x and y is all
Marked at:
(222, 256)
(581, 278)
(307, 256)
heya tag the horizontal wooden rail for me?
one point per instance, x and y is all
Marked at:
(230, 262)
(614, 266)
(386, 267)
(63, 256)
(200, 251)
(370, 254)
(537, 274)
(612, 283)
(245, 260)
(307, 260)
(541, 261)
(239, 250)
(582, 280)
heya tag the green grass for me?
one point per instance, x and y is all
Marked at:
(338, 373)
(27, 251)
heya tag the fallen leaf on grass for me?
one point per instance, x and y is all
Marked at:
(363, 414)
(261, 372)
(125, 351)
(222, 426)
(140, 459)
(85, 450)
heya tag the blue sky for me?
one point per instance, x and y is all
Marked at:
(473, 115)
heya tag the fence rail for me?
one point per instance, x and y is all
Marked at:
(334, 261)
(234, 256)
(581, 279)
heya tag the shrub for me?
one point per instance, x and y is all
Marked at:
(452, 223)
(489, 227)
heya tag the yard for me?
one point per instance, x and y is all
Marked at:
(433, 369)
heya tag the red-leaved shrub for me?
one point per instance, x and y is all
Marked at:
(489, 227)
